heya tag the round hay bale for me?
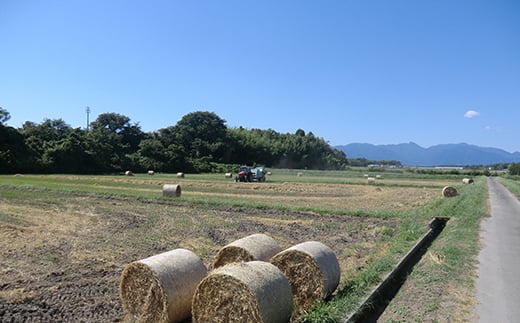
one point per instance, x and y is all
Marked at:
(449, 191)
(160, 288)
(254, 247)
(129, 173)
(269, 173)
(313, 271)
(229, 175)
(172, 190)
(151, 172)
(371, 180)
(253, 291)
(299, 174)
(467, 181)
(180, 175)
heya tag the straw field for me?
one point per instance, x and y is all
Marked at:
(66, 239)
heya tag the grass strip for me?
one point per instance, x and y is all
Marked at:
(457, 248)
(512, 183)
(440, 288)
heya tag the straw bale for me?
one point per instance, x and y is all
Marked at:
(253, 291)
(313, 271)
(151, 172)
(180, 175)
(160, 288)
(228, 175)
(129, 173)
(467, 181)
(172, 190)
(449, 191)
(254, 247)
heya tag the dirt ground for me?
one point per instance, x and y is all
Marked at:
(62, 254)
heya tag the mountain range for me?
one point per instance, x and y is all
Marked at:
(411, 154)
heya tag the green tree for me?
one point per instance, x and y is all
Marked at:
(249, 147)
(514, 169)
(13, 152)
(4, 116)
(198, 142)
(202, 136)
(41, 138)
(70, 155)
(270, 148)
(151, 154)
(113, 140)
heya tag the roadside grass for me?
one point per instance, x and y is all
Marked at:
(441, 286)
(512, 183)
(391, 248)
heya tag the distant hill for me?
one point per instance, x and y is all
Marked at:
(412, 154)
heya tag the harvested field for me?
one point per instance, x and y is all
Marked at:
(66, 239)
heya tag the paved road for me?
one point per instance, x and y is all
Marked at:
(498, 284)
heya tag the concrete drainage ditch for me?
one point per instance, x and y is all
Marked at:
(376, 302)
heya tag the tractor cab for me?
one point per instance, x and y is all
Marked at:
(249, 174)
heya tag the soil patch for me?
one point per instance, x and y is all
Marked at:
(63, 254)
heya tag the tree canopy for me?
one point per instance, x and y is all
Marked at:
(4, 116)
(514, 169)
(199, 142)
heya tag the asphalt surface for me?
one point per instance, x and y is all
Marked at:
(498, 282)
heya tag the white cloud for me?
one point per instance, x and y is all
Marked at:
(471, 114)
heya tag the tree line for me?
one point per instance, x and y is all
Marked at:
(199, 142)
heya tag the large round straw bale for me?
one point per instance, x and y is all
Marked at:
(467, 181)
(253, 291)
(180, 175)
(313, 271)
(172, 190)
(129, 173)
(229, 175)
(160, 288)
(254, 247)
(449, 191)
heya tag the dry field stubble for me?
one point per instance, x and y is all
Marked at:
(62, 253)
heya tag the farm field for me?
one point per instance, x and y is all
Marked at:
(66, 239)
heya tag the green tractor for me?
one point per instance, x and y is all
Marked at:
(250, 174)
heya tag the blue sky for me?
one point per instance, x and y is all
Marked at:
(381, 72)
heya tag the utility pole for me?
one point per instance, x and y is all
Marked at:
(88, 121)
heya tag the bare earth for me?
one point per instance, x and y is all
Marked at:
(62, 254)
